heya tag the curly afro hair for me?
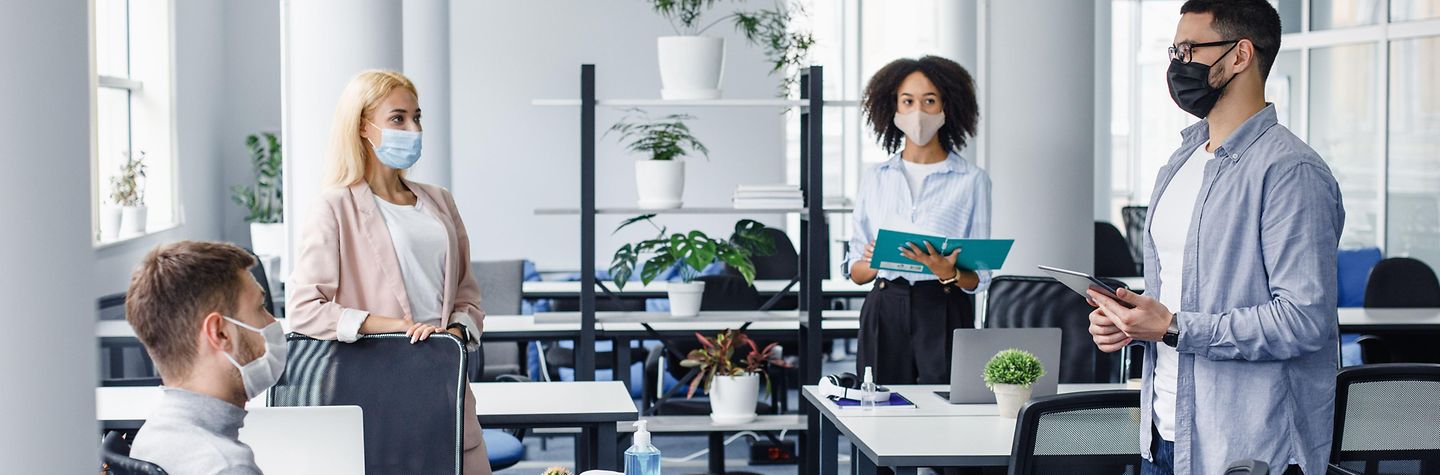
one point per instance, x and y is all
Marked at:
(957, 98)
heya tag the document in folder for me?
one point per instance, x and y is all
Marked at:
(975, 254)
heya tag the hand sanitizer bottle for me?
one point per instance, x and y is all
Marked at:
(867, 390)
(642, 458)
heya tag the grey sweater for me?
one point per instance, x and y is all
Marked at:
(194, 434)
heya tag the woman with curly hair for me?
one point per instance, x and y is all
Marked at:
(906, 324)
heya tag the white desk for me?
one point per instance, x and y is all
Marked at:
(496, 326)
(1389, 319)
(934, 433)
(704, 318)
(571, 289)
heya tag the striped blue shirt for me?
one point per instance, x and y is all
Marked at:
(954, 202)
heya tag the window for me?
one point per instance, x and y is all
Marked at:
(132, 112)
(1354, 79)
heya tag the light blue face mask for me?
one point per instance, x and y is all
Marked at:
(398, 148)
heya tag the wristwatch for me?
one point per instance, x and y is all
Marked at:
(464, 332)
(1172, 335)
(952, 280)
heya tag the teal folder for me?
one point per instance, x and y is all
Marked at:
(975, 254)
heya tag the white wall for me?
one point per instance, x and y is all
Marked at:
(251, 98)
(511, 157)
(47, 409)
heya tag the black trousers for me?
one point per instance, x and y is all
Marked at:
(906, 330)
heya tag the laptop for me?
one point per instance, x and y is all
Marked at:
(973, 348)
(306, 440)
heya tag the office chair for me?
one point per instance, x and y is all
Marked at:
(1400, 282)
(1043, 302)
(1387, 419)
(388, 378)
(501, 291)
(1134, 217)
(1090, 432)
(115, 458)
(1112, 253)
(505, 447)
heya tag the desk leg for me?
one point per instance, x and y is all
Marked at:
(854, 459)
(829, 461)
(716, 464)
(584, 449)
(620, 369)
(905, 470)
(605, 445)
(863, 464)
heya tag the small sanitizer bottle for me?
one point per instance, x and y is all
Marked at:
(642, 458)
(868, 390)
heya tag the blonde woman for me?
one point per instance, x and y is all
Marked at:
(380, 253)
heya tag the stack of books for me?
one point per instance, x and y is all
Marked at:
(768, 197)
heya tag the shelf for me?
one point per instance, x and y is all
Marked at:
(697, 210)
(690, 103)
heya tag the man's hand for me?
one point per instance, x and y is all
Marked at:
(1107, 336)
(1148, 320)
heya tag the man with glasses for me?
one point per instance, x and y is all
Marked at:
(1238, 322)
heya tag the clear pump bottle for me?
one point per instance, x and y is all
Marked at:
(642, 458)
(867, 390)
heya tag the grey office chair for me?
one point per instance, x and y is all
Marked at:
(1092, 432)
(412, 395)
(501, 291)
(1387, 419)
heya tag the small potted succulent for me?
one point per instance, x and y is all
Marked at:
(264, 201)
(557, 470)
(692, 252)
(732, 383)
(1010, 373)
(127, 191)
(660, 176)
(691, 64)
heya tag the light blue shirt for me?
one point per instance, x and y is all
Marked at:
(1257, 318)
(954, 202)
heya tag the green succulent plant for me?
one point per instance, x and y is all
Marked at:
(1013, 366)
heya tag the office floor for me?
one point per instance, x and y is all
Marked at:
(682, 454)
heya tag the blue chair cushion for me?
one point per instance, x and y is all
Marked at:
(1354, 271)
(504, 449)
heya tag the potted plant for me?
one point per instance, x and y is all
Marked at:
(732, 383)
(127, 190)
(264, 201)
(659, 179)
(691, 65)
(692, 252)
(1009, 374)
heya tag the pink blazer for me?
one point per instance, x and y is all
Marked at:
(346, 261)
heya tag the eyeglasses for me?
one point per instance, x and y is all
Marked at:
(1183, 51)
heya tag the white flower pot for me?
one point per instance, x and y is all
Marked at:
(660, 183)
(132, 221)
(732, 398)
(267, 239)
(685, 298)
(690, 67)
(1009, 398)
(109, 222)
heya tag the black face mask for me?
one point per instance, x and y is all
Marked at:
(1190, 85)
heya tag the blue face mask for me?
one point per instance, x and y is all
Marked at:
(398, 148)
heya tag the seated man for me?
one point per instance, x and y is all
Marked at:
(201, 316)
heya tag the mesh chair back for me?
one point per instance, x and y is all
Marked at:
(1400, 282)
(1043, 302)
(115, 457)
(1387, 419)
(1078, 433)
(411, 395)
(1134, 217)
(1112, 253)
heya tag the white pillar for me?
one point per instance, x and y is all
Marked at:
(427, 63)
(324, 43)
(48, 404)
(1038, 111)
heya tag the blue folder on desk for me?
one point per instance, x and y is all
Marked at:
(975, 254)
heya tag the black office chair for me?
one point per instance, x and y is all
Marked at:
(783, 264)
(1387, 419)
(412, 395)
(1043, 302)
(1078, 433)
(1134, 217)
(1112, 253)
(1248, 467)
(258, 270)
(115, 458)
(501, 291)
(1400, 282)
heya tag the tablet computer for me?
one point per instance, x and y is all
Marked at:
(1081, 282)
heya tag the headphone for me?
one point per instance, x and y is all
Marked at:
(847, 386)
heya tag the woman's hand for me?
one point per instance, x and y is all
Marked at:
(943, 266)
(860, 272)
(421, 331)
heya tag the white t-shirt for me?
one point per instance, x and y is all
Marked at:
(1169, 228)
(420, 243)
(915, 173)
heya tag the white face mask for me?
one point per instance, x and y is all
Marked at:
(264, 371)
(920, 126)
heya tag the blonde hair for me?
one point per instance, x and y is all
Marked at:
(348, 153)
